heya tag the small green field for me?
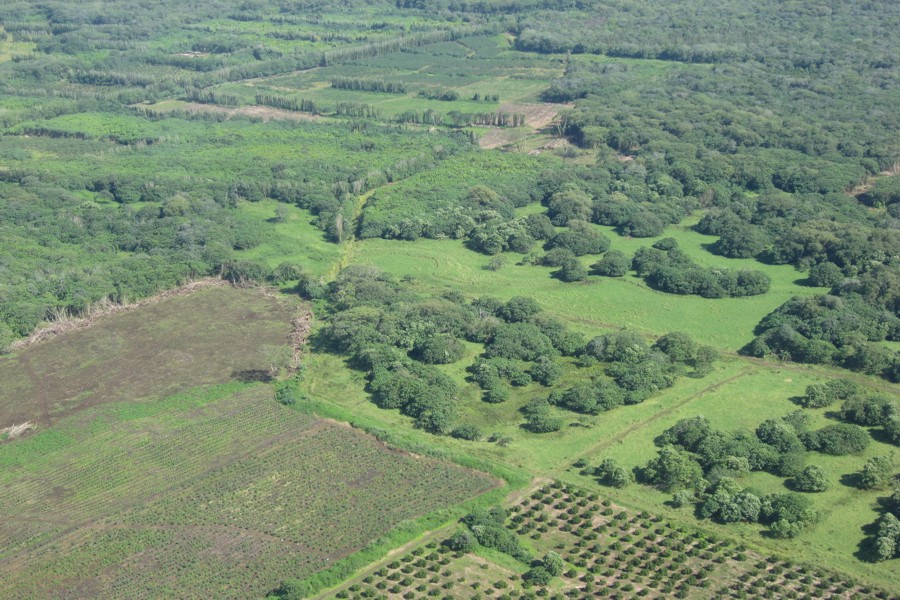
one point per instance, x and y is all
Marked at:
(600, 302)
(293, 240)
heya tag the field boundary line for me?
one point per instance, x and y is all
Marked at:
(106, 308)
(607, 443)
(427, 536)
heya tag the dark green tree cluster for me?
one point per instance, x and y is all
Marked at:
(672, 271)
(214, 97)
(828, 329)
(489, 119)
(705, 463)
(543, 572)
(488, 527)
(446, 95)
(286, 103)
(368, 85)
(396, 338)
(357, 109)
(611, 473)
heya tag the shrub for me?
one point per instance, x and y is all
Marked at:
(811, 479)
(839, 439)
(877, 472)
(440, 350)
(613, 264)
(466, 432)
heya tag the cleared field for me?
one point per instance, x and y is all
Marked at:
(206, 337)
(222, 493)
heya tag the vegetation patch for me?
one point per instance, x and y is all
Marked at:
(206, 337)
(222, 490)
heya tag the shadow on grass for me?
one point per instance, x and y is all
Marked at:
(252, 376)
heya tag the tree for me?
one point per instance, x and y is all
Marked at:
(554, 564)
(887, 540)
(581, 238)
(811, 479)
(613, 474)
(613, 264)
(440, 350)
(839, 439)
(282, 213)
(461, 541)
(520, 341)
(678, 346)
(892, 431)
(568, 205)
(539, 417)
(571, 270)
(466, 432)
(877, 472)
(537, 576)
(726, 502)
(825, 274)
(817, 395)
(545, 371)
(624, 346)
(688, 433)
(518, 308)
(787, 514)
(673, 469)
(779, 434)
(870, 411)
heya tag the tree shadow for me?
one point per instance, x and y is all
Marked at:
(881, 435)
(853, 480)
(252, 376)
(710, 247)
(867, 548)
(798, 400)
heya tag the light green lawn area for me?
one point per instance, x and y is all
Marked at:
(296, 240)
(726, 323)
(10, 48)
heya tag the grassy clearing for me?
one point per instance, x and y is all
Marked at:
(224, 491)
(9, 48)
(294, 240)
(470, 66)
(727, 323)
(743, 403)
(203, 338)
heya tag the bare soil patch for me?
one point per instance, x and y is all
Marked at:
(536, 115)
(266, 113)
(162, 346)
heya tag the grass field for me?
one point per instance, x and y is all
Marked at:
(599, 303)
(223, 492)
(295, 240)
(206, 337)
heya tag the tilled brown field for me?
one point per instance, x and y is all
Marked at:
(206, 337)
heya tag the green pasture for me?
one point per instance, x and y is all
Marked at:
(600, 302)
(294, 240)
